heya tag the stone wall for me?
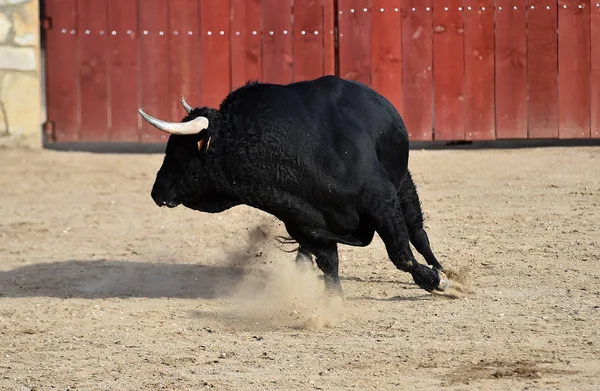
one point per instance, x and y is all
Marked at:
(20, 76)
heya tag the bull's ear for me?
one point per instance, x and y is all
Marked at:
(202, 142)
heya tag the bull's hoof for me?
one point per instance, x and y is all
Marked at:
(444, 282)
(426, 278)
(333, 287)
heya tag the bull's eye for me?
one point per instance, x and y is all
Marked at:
(200, 144)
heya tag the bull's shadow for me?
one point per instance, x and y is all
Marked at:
(105, 279)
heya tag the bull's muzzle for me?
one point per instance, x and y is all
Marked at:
(163, 197)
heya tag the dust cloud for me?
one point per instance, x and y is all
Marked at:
(275, 291)
(459, 286)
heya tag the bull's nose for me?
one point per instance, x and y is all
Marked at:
(159, 202)
(163, 202)
(170, 204)
(156, 200)
(163, 197)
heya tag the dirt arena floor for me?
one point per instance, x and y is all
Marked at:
(102, 290)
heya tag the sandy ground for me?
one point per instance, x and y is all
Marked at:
(102, 290)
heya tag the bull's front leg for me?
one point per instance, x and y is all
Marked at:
(328, 261)
(304, 257)
(326, 256)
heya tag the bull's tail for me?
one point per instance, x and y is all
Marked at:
(411, 204)
(283, 240)
(413, 216)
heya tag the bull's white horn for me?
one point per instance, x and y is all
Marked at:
(185, 105)
(194, 126)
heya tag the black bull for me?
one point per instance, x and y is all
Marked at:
(327, 157)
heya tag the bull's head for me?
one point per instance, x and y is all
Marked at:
(181, 166)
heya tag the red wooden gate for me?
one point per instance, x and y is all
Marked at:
(479, 69)
(107, 58)
(456, 69)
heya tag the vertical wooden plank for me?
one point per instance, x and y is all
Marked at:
(511, 69)
(542, 69)
(386, 50)
(62, 69)
(277, 41)
(93, 70)
(216, 58)
(479, 69)
(448, 70)
(574, 69)
(417, 63)
(123, 62)
(184, 46)
(329, 18)
(154, 65)
(308, 40)
(354, 40)
(246, 60)
(595, 76)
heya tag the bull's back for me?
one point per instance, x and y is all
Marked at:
(369, 119)
(338, 129)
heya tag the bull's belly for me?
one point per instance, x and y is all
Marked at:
(348, 228)
(360, 238)
(339, 222)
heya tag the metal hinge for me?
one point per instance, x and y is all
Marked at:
(46, 24)
(49, 129)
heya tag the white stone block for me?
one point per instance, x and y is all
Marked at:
(26, 25)
(21, 97)
(5, 26)
(19, 59)
(13, 2)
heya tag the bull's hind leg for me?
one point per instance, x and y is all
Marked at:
(413, 216)
(385, 209)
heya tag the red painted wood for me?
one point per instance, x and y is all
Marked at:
(511, 69)
(62, 80)
(448, 70)
(574, 69)
(417, 63)
(308, 40)
(386, 50)
(542, 69)
(93, 69)
(329, 17)
(246, 59)
(595, 76)
(184, 46)
(354, 40)
(277, 42)
(216, 57)
(123, 101)
(155, 89)
(479, 69)
(97, 81)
